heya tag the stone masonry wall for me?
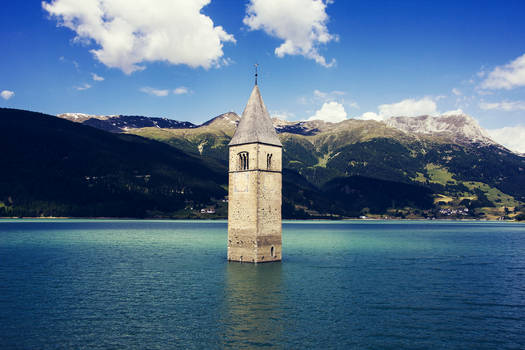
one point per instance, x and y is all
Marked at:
(254, 205)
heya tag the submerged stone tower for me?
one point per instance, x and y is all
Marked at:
(255, 186)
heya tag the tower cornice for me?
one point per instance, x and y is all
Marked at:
(256, 142)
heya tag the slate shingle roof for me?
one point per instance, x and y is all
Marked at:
(255, 124)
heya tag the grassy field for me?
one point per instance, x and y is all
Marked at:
(438, 174)
(493, 194)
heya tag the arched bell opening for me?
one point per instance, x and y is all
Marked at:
(243, 161)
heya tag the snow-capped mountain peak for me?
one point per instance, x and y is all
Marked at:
(460, 127)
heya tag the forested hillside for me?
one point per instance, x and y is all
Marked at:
(57, 167)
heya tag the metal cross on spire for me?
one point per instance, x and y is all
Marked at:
(256, 65)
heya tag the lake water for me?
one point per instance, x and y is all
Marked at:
(111, 284)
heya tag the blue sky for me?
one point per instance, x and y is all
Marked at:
(326, 59)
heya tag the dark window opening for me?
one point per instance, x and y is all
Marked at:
(269, 161)
(272, 251)
(243, 161)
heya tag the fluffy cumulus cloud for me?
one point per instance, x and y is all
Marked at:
(7, 94)
(300, 23)
(407, 108)
(126, 36)
(512, 137)
(332, 111)
(503, 105)
(506, 77)
(154, 92)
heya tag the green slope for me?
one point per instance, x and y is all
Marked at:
(373, 150)
(53, 167)
(56, 167)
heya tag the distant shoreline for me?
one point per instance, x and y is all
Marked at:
(217, 219)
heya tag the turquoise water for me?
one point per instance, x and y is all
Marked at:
(96, 284)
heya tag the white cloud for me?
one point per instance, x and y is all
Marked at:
(282, 115)
(371, 116)
(407, 108)
(82, 87)
(7, 94)
(503, 106)
(328, 95)
(96, 77)
(155, 92)
(512, 137)
(484, 92)
(458, 111)
(333, 112)
(300, 23)
(225, 61)
(320, 94)
(128, 35)
(74, 63)
(506, 77)
(456, 92)
(181, 90)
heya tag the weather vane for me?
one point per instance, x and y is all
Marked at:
(256, 65)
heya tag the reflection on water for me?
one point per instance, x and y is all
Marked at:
(253, 305)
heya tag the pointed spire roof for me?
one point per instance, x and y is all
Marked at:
(255, 124)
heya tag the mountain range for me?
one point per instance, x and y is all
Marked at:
(427, 166)
(459, 128)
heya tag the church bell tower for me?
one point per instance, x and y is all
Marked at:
(255, 186)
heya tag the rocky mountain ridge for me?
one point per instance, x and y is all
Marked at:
(431, 167)
(459, 128)
(122, 123)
